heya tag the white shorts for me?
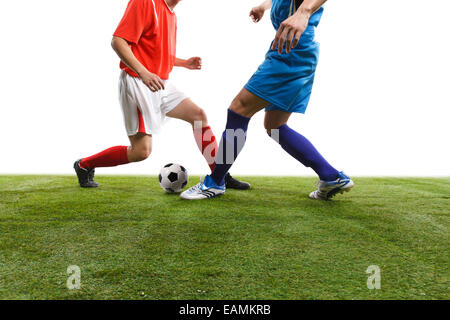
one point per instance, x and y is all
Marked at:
(143, 110)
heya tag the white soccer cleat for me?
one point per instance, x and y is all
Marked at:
(328, 189)
(204, 190)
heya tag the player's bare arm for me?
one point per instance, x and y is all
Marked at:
(257, 12)
(194, 63)
(293, 27)
(123, 50)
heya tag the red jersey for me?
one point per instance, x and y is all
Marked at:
(150, 27)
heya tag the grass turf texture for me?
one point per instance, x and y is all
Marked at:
(133, 241)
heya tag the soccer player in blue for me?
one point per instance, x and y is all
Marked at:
(281, 85)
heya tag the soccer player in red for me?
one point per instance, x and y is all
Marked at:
(145, 41)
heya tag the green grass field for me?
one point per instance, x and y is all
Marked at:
(132, 241)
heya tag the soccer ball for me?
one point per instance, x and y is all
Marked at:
(173, 178)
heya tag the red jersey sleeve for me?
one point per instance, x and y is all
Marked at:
(138, 17)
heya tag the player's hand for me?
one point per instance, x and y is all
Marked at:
(194, 63)
(290, 32)
(152, 81)
(257, 13)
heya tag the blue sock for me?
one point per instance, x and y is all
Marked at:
(232, 142)
(301, 149)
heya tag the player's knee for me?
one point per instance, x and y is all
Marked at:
(142, 153)
(240, 106)
(199, 115)
(269, 126)
(202, 115)
(145, 153)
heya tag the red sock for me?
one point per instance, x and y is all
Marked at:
(111, 157)
(207, 144)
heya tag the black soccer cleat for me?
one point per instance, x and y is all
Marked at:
(232, 183)
(85, 176)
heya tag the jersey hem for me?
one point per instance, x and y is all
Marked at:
(135, 75)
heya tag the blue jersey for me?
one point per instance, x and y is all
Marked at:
(285, 80)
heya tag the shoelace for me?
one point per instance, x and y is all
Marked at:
(195, 188)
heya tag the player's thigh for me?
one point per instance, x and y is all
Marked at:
(141, 144)
(275, 119)
(188, 111)
(247, 104)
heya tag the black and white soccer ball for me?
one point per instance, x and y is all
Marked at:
(173, 178)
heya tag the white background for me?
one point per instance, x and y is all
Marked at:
(380, 104)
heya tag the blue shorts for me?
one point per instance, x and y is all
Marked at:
(286, 80)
